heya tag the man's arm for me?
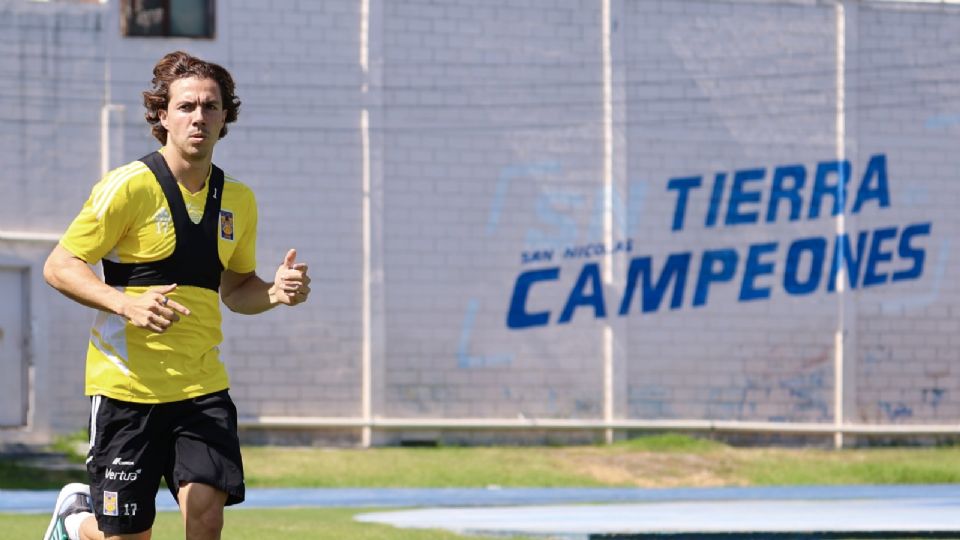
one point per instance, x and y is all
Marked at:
(71, 276)
(248, 294)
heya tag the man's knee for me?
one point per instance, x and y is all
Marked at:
(202, 508)
(90, 531)
(207, 523)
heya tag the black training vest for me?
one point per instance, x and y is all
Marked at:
(196, 259)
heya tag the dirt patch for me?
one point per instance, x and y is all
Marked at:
(648, 469)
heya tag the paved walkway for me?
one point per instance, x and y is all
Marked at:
(687, 513)
(907, 518)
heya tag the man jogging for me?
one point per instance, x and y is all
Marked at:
(175, 236)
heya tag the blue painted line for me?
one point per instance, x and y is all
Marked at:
(464, 359)
(23, 501)
(507, 175)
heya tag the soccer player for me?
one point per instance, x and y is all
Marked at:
(175, 236)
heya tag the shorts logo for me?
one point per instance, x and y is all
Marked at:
(120, 461)
(110, 504)
(123, 476)
(226, 225)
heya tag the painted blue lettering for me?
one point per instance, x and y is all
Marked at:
(876, 169)
(792, 281)
(674, 269)
(728, 266)
(755, 268)
(779, 191)
(683, 187)
(549, 208)
(626, 212)
(518, 317)
(837, 190)
(636, 194)
(528, 257)
(584, 252)
(739, 195)
(719, 180)
(843, 253)
(589, 275)
(878, 255)
(908, 251)
(623, 245)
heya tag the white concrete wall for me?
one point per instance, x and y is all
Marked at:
(715, 87)
(908, 334)
(485, 148)
(51, 89)
(488, 111)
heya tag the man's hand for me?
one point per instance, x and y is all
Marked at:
(154, 310)
(291, 284)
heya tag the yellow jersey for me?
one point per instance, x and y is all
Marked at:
(127, 219)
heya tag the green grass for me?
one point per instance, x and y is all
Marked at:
(655, 461)
(316, 524)
(671, 442)
(16, 476)
(874, 466)
(409, 467)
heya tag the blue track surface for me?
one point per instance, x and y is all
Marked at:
(40, 501)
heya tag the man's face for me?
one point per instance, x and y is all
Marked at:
(194, 117)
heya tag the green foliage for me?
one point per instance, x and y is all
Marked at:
(46, 471)
(18, 476)
(671, 442)
(73, 446)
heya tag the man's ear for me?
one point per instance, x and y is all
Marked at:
(162, 114)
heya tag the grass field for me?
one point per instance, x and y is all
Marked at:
(655, 461)
(316, 524)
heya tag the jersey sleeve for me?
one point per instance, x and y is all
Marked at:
(244, 259)
(103, 220)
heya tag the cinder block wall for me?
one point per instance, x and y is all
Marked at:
(485, 159)
(713, 89)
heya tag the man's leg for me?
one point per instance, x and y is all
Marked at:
(205, 471)
(73, 518)
(202, 509)
(89, 531)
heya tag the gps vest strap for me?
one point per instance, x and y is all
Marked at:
(195, 260)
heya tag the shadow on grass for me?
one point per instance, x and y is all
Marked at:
(17, 475)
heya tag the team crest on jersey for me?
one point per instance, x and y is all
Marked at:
(163, 219)
(111, 506)
(226, 225)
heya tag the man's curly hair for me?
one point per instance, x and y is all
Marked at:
(180, 65)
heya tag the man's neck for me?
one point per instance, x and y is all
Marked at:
(191, 174)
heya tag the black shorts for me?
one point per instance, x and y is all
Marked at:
(133, 445)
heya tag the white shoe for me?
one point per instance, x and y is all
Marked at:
(73, 498)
